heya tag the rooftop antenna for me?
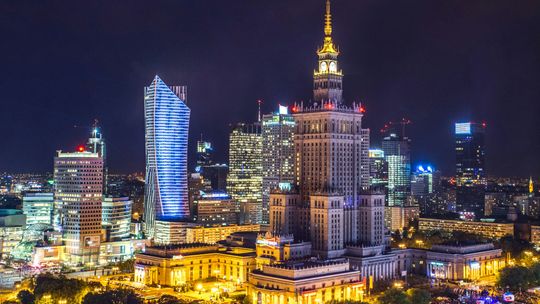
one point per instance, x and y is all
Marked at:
(259, 113)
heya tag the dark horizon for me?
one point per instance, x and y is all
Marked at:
(435, 63)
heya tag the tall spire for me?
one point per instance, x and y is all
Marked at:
(328, 20)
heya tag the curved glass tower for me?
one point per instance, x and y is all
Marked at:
(167, 124)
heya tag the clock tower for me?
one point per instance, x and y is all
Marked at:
(328, 78)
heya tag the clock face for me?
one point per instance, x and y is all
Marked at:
(324, 67)
(333, 67)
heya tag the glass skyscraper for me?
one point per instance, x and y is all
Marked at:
(470, 174)
(397, 154)
(167, 124)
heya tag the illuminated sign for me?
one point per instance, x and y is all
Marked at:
(177, 257)
(285, 186)
(463, 128)
(376, 153)
(508, 297)
(267, 243)
(283, 110)
(475, 265)
(437, 264)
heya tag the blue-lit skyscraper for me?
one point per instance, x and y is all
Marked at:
(167, 124)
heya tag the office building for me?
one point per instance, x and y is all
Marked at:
(277, 154)
(38, 208)
(211, 235)
(424, 181)
(204, 153)
(78, 190)
(217, 208)
(470, 168)
(378, 170)
(166, 125)
(397, 154)
(116, 218)
(244, 182)
(216, 176)
(488, 229)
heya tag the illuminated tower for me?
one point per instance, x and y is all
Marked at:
(328, 79)
(470, 172)
(167, 124)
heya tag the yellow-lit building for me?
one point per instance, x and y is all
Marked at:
(491, 230)
(211, 235)
(307, 282)
(175, 265)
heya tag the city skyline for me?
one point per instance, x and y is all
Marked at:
(461, 83)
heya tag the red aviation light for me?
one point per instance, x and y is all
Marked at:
(80, 148)
(294, 109)
(362, 110)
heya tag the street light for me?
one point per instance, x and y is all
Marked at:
(199, 287)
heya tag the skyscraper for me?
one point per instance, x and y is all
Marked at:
(470, 170)
(378, 170)
(167, 124)
(204, 153)
(78, 182)
(330, 144)
(244, 182)
(397, 154)
(277, 153)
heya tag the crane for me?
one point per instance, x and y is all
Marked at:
(391, 124)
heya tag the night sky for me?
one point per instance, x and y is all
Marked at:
(64, 63)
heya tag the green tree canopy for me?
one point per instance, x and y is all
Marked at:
(419, 296)
(393, 296)
(26, 297)
(116, 296)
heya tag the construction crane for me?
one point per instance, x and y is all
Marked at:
(392, 124)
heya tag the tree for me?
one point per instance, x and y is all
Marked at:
(59, 287)
(26, 297)
(116, 296)
(168, 299)
(419, 296)
(393, 296)
(515, 277)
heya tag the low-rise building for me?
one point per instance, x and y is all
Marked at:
(176, 265)
(487, 229)
(452, 262)
(211, 235)
(311, 281)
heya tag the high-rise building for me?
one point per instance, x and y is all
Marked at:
(330, 144)
(424, 181)
(116, 218)
(78, 182)
(277, 154)
(38, 208)
(470, 168)
(397, 154)
(96, 144)
(167, 124)
(244, 182)
(204, 153)
(378, 169)
(216, 175)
